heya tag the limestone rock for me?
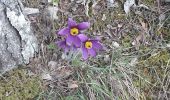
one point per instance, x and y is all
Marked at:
(17, 40)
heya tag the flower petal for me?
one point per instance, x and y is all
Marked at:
(84, 53)
(77, 42)
(69, 40)
(71, 22)
(73, 48)
(96, 44)
(92, 52)
(66, 49)
(83, 25)
(83, 37)
(64, 31)
(61, 44)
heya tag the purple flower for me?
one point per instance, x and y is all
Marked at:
(62, 44)
(73, 31)
(89, 46)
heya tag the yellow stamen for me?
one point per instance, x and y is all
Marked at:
(74, 31)
(88, 44)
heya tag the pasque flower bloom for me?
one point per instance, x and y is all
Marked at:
(73, 31)
(89, 46)
(62, 44)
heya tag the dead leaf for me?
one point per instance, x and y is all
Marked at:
(46, 76)
(73, 85)
(146, 71)
(62, 72)
(144, 24)
(137, 40)
(142, 35)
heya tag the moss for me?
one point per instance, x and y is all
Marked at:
(17, 85)
(149, 2)
(150, 68)
(126, 41)
(161, 58)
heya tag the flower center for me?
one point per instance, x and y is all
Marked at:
(74, 31)
(88, 44)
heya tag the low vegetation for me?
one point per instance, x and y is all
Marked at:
(134, 65)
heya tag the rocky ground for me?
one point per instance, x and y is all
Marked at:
(134, 65)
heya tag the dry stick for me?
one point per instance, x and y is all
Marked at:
(158, 2)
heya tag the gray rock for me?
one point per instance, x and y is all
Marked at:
(17, 41)
(29, 11)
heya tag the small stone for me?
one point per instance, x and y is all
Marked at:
(104, 17)
(162, 17)
(115, 44)
(133, 61)
(106, 58)
(52, 64)
(128, 4)
(168, 45)
(112, 3)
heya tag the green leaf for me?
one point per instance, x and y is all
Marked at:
(55, 2)
(51, 46)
